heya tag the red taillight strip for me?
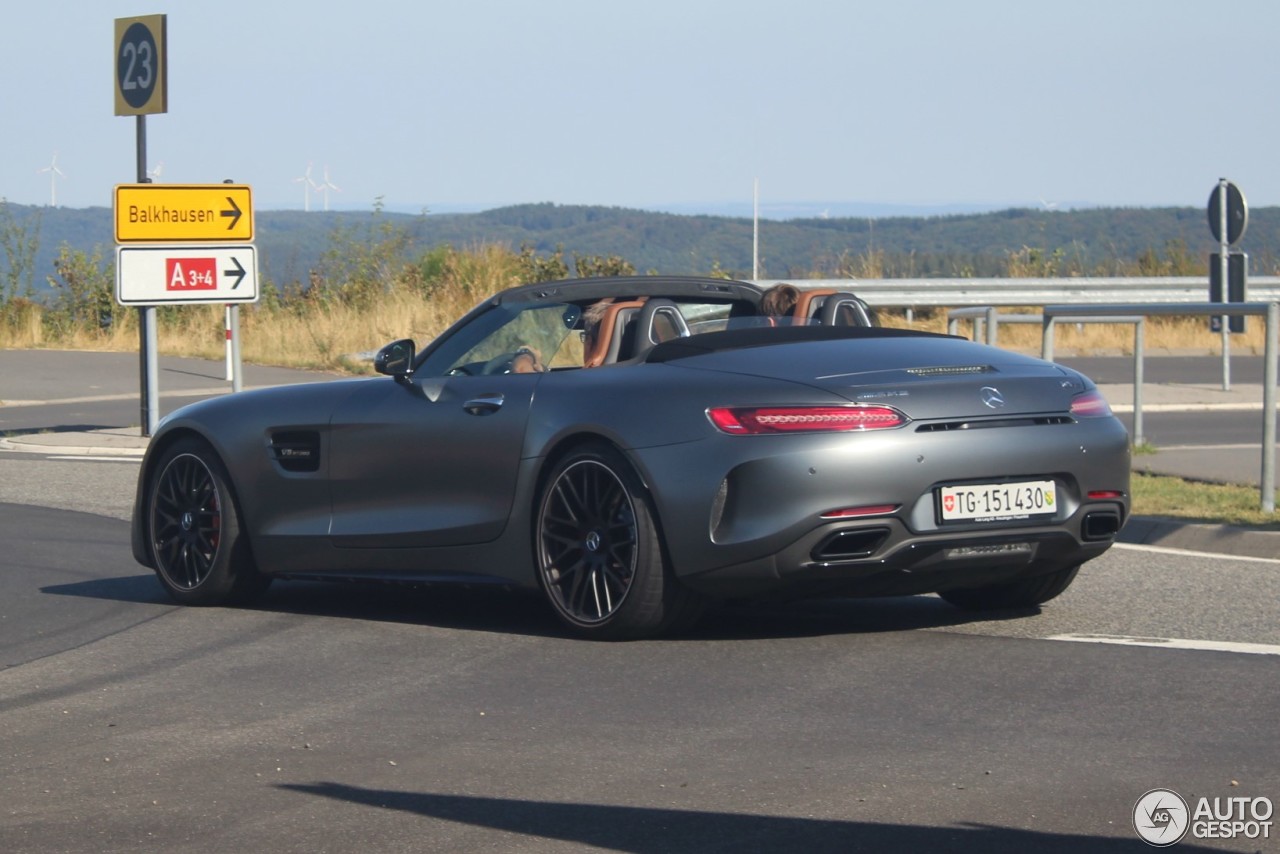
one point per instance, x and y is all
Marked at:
(857, 512)
(1091, 404)
(744, 420)
(1105, 494)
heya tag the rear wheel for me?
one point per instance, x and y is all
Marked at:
(1026, 593)
(201, 555)
(600, 557)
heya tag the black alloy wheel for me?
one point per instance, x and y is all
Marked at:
(186, 521)
(600, 559)
(200, 556)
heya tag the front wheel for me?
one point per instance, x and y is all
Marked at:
(1026, 593)
(200, 553)
(599, 554)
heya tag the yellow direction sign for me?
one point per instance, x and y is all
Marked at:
(181, 213)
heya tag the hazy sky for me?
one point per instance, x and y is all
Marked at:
(656, 104)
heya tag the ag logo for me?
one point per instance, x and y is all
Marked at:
(1161, 817)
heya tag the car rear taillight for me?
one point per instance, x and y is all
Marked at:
(858, 512)
(1105, 494)
(749, 421)
(1091, 404)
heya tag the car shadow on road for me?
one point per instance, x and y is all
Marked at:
(526, 613)
(659, 830)
(814, 617)
(137, 589)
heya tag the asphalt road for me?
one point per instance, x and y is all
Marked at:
(341, 718)
(75, 390)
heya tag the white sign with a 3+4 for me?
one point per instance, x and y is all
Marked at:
(166, 275)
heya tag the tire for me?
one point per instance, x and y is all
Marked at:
(599, 552)
(1020, 594)
(200, 551)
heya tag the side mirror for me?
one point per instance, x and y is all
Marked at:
(396, 359)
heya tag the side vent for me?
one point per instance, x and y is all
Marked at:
(296, 450)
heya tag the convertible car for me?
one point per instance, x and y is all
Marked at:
(637, 448)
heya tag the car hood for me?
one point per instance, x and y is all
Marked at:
(923, 377)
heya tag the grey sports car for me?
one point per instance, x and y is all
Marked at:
(639, 447)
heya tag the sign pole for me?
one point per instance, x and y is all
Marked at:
(1269, 371)
(140, 81)
(236, 382)
(1223, 277)
(147, 348)
(226, 326)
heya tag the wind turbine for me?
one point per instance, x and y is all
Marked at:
(326, 186)
(54, 174)
(154, 174)
(308, 184)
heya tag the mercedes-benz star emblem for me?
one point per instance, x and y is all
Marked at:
(992, 397)
(593, 541)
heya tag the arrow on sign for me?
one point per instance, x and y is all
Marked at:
(234, 213)
(237, 273)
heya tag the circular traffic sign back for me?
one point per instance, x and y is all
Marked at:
(1237, 213)
(137, 65)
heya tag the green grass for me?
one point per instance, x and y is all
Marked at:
(1209, 503)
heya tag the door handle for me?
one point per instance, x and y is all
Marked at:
(485, 404)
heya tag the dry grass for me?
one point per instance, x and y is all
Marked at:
(1162, 334)
(1210, 503)
(325, 336)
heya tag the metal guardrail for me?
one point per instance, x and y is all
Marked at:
(989, 320)
(1270, 310)
(1092, 290)
(986, 321)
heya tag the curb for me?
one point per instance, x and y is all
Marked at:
(37, 447)
(1200, 537)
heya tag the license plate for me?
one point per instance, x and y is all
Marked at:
(997, 502)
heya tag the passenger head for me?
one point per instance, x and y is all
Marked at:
(779, 300)
(591, 325)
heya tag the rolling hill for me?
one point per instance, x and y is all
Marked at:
(1097, 241)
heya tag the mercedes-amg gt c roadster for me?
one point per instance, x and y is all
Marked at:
(639, 447)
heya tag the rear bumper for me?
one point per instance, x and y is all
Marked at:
(881, 557)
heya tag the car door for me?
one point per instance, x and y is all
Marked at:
(427, 461)
(430, 458)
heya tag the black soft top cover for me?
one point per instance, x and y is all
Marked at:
(738, 339)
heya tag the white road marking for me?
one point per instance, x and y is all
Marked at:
(1189, 407)
(1173, 643)
(1248, 446)
(120, 459)
(105, 398)
(1162, 550)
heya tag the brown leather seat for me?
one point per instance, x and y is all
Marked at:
(608, 336)
(809, 302)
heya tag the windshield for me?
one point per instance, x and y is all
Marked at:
(511, 339)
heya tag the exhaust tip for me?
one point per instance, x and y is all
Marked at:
(1100, 525)
(850, 544)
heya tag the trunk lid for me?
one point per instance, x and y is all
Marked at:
(925, 378)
